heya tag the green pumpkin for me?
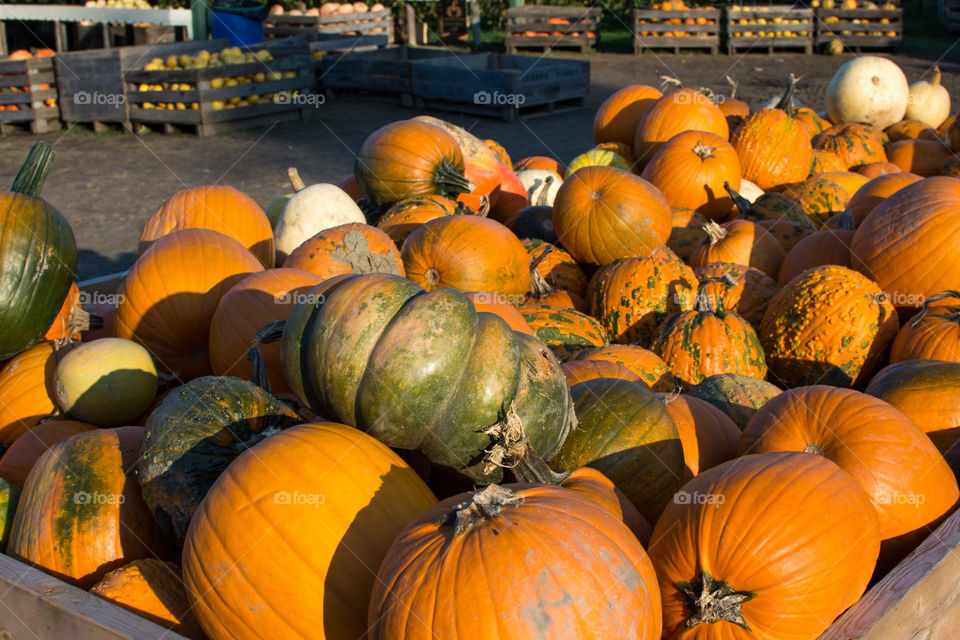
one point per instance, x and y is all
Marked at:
(564, 330)
(38, 257)
(737, 395)
(423, 371)
(193, 435)
(9, 495)
(625, 432)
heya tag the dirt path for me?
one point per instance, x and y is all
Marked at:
(108, 184)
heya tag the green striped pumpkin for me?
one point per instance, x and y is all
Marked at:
(737, 395)
(564, 330)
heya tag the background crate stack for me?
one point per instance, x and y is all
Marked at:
(28, 96)
(861, 28)
(383, 73)
(687, 29)
(322, 45)
(205, 101)
(359, 23)
(765, 28)
(549, 27)
(950, 14)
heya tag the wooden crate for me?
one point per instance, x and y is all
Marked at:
(369, 22)
(322, 45)
(290, 55)
(949, 11)
(28, 84)
(530, 26)
(384, 73)
(855, 28)
(497, 85)
(649, 25)
(759, 38)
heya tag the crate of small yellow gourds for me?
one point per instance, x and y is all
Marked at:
(858, 24)
(223, 90)
(673, 25)
(765, 28)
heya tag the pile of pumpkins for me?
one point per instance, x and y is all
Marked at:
(570, 29)
(677, 5)
(861, 18)
(754, 18)
(352, 13)
(23, 54)
(703, 378)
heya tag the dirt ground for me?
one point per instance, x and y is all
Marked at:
(108, 184)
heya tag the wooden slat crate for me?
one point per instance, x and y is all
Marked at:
(531, 26)
(384, 73)
(763, 38)
(861, 28)
(28, 84)
(497, 85)
(322, 45)
(950, 14)
(371, 22)
(211, 116)
(650, 29)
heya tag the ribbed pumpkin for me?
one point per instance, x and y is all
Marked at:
(347, 248)
(191, 437)
(410, 158)
(911, 130)
(295, 528)
(577, 371)
(690, 170)
(686, 233)
(634, 215)
(812, 120)
(378, 338)
(875, 169)
(732, 565)
(618, 117)
(749, 294)
(851, 181)
(631, 297)
(563, 329)
(678, 111)
(467, 253)
(856, 144)
(80, 512)
(737, 396)
(27, 392)
(9, 497)
(647, 365)
(821, 248)
(708, 436)
(534, 222)
(38, 256)
(598, 158)
(19, 459)
(773, 145)
(404, 216)
(740, 242)
(170, 294)
(499, 306)
(894, 242)
(932, 334)
(876, 191)
(824, 161)
(819, 198)
(218, 208)
(151, 589)
(830, 325)
(253, 302)
(922, 157)
(555, 267)
(518, 531)
(907, 479)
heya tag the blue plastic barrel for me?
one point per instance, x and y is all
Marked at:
(239, 22)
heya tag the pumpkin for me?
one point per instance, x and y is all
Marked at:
(349, 185)
(634, 215)
(850, 181)
(167, 301)
(648, 366)
(465, 530)
(830, 325)
(216, 207)
(690, 170)
(870, 440)
(555, 267)
(876, 191)
(819, 198)
(347, 248)
(151, 589)
(303, 521)
(577, 371)
(737, 396)
(687, 232)
(728, 560)
(193, 435)
(773, 145)
(911, 130)
(80, 513)
(748, 295)
(868, 89)
(824, 161)
(818, 249)
(72, 319)
(509, 196)
(19, 459)
(874, 169)
(465, 370)
(310, 210)
(750, 191)
(541, 186)
(9, 497)
(733, 109)
(708, 436)
(499, 151)
(775, 208)
(812, 120)
(932, 334)
(855, 144)
(563, 329)
(622, 149)
(106, 382)
(410, 158)
(542, 162)
(787, 232)
(618, 117)
(467, 253)
(499, 306)
(633, 296)
(27, 391)
(38, 256)
(678, 111)
(275, 208)
(534, 222)
(249, 305)
(929, 101)
(598, 158)
(406, 215)
(922, 157)
(893, 243)
(625, 432)
(739, 242)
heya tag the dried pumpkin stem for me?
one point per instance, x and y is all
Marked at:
(733, 87)
(539, 287)
(714, 231)
(743, 205)
(295, 180)
(484, 505)
(786, 101)
(950, 293)
(702, 150)
(712, 601)
(450, 181)
(432, 276)
(33, 173)
(511, 449)
(260, 376)
(270, 332)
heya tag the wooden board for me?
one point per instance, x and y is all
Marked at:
(384, 73)
(281, 26)
(859, 33)
(22, 84)
(756, 38)
(650, 24)
(535, 19)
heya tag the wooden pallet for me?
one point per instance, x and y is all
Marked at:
(754, 37)
(832, 23)
(22, 84)
(370, 22)
(382, 74)
(650, 24)
(534, 19)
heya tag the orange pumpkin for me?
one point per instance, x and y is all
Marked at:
(749, 294)
(27, 391)
(347, 248)
(648, 366)
(824, 161)
(577, 371)
(812, 120)
(739, 242)
(911, 130)
(850, 181)
(499, 306)
(678, 111)
(687, 232)
(856, 144)
(875, 169)
(555, 267)
(932, 334)
(920, 156)
(819, 198)
(831, 246)
(541, 162)
(876, 191)
(618, 117)
(708, 436)
(499, 151)
(405, 215)
(16, 463)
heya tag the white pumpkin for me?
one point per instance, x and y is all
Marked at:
(929, 101)
(868, 90)
(309, 211)
(749, 190)
(541, 185)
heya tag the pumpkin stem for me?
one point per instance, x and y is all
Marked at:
(295, 180)
(743, 205)
(950, 293)
(33, 173)
(786, 102)
(511, 449)
(813, 448)
(715, 232)
(484, 207)
(712, 601)
(935, 79)
(260, 376)
(450, 181)
(270, 332)
(530, 467)
(432, 276)
(669, 81)
(704, 303)
(539, 287)
(703, 150)
(733, 87)
(484, 505)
